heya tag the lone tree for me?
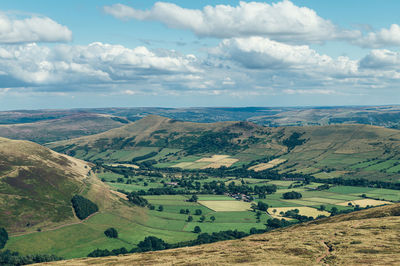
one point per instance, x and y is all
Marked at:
(3, 237)
(197, 229)
(111, 233)
(212, 218)
(202, 218)
(198, 212)
(194, 198)
(160, 208)
(190, 218)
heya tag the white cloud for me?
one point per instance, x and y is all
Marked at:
(381, 59)
(312, 91)
(94, 63)
(382, 38)
(262, 53)
(32, 29)
(282, 21)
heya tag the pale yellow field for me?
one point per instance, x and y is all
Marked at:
(226, 206)
(364, 202)
(224, 162)
(126, 165)
(307, 211)
(265, 166)
(213, 159)
(183, 165)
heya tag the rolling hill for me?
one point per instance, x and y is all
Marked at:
(324, 151)
(368, 237)
(37, 184)
(61, 128)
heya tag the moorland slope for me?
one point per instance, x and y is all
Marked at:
(37, 184)
(61, 128)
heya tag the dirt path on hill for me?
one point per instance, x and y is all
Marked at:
(57, 227)
(327, 252)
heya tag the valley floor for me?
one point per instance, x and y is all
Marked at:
(368, 237)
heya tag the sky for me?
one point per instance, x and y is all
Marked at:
(106, 53)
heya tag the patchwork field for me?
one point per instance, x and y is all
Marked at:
(226, 206)
(215, 161)
(125, 165)
(365, 202)
(265, 166)
(307, 211)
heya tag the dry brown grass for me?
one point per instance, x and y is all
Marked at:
(307, 211)
(226, 206)
(369, 237)
(265, 166)
(227, 162)
(365, 202)
(213, 159)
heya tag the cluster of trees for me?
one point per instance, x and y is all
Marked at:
(295, 215)
(293, 141)
(292, 195)
(111, 233)
(12, 258)
(137, 200)
(152, 243)
(3, 237)
(144, 157)
(83, 207)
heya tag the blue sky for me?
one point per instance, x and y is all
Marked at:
(66, 54)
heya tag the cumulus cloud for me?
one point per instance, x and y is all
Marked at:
(94, 63)
(381, 60)
(262, 53)
(282, 21)
(382, 38)
(32, 29)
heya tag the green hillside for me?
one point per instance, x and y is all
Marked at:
(323, 151)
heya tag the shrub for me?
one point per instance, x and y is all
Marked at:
(197, 229)
(83, 207)
(111, 233)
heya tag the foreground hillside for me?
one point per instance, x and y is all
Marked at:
(323, 151)
(59, 128)
(368, 237)
(37, 184)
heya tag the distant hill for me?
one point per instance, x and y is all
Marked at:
(325, 151)
(386, 116)
(368, 237)
(53, 128)
(37, 184)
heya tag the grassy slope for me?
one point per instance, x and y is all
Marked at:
(328, 151)
(360, 238)
(69, 126)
